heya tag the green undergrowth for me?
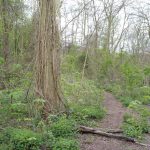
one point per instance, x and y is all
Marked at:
(21, 122)
(83, 95)
(131, 92)
(59, 133)
(66, 144)
(64, 127)
(135, 126)
(20, 139)
(136, 100)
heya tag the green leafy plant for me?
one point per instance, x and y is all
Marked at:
(91, 112)
(19, 108)
(147, 71)
(1, 61)
(64, 127)
(16, 94)
(22, 139)
(146, 100)
(4, 97)
(125, 100)
(135, 127)
(16, 67)
(132, 75)
(66, 144)
(39, 104)
(48, 139)
(132, 130)
(83, 92)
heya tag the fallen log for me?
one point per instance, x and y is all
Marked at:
(114, 131)
(84, 129)
(108, 130)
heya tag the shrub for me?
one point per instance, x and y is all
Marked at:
(115, 88)
(108, 87)
(145, 100)
(64, 127)
(131, 127)
(125, 100)
(16, 94)
(135, 105)
(92, 112)
(48, 139)
(19, 108)
(140, 109)
(147, 71)
(37, 107)
(145, 90)
(142, 94)
(69, 64)
(80, 62)
(5, 146)
(4, 97)
(22, 139)
(83, 95)
(132, 131)
(132, 75)
(66, 144)
(16, 68)
(2, 60)
(135, 127)
(82, 92)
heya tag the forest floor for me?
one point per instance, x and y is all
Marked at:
(113, 120)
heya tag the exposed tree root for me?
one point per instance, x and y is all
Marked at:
(110, 134)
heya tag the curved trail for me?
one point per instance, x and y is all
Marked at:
(113, 119)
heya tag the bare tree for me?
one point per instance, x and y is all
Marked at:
(112, 10)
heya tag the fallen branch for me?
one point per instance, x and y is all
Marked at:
(114, 131)
(84, 129)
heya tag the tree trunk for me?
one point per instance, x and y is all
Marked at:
(5, 43)
(47, 63)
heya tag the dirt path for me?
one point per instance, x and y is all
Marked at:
(114, 118)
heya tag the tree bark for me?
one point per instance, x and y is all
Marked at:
(5, 42)
(47, 65)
